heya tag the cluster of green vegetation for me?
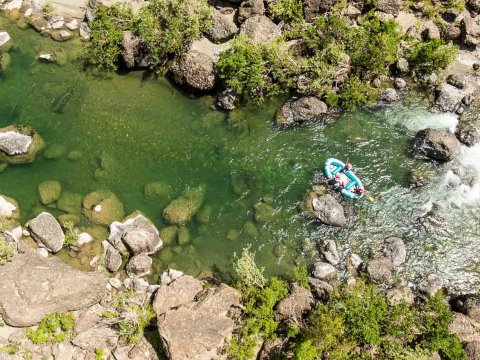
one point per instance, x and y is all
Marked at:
(53, 328)
(129, 317)
(432, 55)
(357, 322)
(433, 8)
(71, 234)
(259, 297)
(163, 27)
(100, 354)
(6, 251)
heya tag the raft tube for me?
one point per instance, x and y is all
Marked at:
(335, 166)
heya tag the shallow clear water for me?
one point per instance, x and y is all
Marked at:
(134, 129)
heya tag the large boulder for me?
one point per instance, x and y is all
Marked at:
(329, 211)
(260, 29)
(471, 30)
(394, 249)
(223, 26)
(134, 51)
(436, 144)
(468, 128)
(314, 8)
(448, 97)
(298, 302)
(33, 286)
(112, 259)
(102, 207)
(430, 285)
(195, 70)
(19, 144)
(250, 8)
(47, 232)
(138, 234)
(181, 210)
(389, 6)
(379, 270)
(307, 108)
(198, 329)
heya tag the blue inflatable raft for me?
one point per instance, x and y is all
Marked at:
(344, 180)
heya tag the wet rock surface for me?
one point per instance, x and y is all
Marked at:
(436, 144)
(329, 211)
(307, 108)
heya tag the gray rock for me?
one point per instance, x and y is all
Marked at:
(464, 328)
(329, 211)
(103, 337)
(389, 6)
(199, 329)
(84, 31)
(353, 264)
(468, 128)
(430, 285)
(400, 83)
(33, 286)
(394, 249)
(307, 108)
(321, 289)
(323, 271)
(134, 51)
(15, 143)
(195, 70)
(260, 29)
(389, 96)
(169, 276)
(139, 265)
(400, 294)
(436, 144)
(226, 99)
(472, 348)
(430, 31)
(313, 8)
(379, 270)
(448, 97)
(468, 305)
(292, 308)
(138, 234)
(250, 8)
(272, 349)
(47, 232)
(178, 292)
(112, 259)
(330, 252)
(223, 27)
(474, 5)
(470, 27)
(459, 81)
(5, 41)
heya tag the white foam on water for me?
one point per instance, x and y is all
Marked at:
(416, 120)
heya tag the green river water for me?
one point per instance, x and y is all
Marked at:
(134, 129)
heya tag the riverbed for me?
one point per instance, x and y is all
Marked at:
(124, 131)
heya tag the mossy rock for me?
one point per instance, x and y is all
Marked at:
(70, 203)
(168, 234)
(251, 230)
(306, 206)
(3, 166)
(157, 191)
(279, 250)
(166, 254)
(34, 148)
(103, 207)
(69, 218)
(212, 119)
(181, 210)
(177, 249)
(233, 235)
(203, 216)
(100, 174)
(5, 62)
(49, 191)
(74, 155)
(239, 184)
(263, 213)
(54, 152)
(183, 235)
(99, 233)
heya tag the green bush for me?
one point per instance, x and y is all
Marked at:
(432, 55)
(6, 251)
(300, 276)
(286, 10)
(53, 328)
(356, 93)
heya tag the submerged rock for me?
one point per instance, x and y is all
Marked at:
(19, 144)
(157, 191)
(70, 203)
(47, 232)
(138, 235)
(263, 212)
(436, 144)
(33, 286)
(49, 191)
(102, 207)
(307, 108)
(168, 234)
(181, 210)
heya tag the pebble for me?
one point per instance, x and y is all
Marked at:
(94, 261)
(116, 283)
(84, 238)
(43, 252)
(72, 24)
(26, 233)
(97, 208)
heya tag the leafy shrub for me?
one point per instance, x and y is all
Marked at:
(355, 93)
(71, 234)
(53, 328)
(432, 55)
(6, 251)
(249, 274)
(286, 10)
(99, 354)
(300, 276)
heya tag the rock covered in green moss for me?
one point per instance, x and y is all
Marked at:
(103, 207)
(181, 210)
(263, 213)
(168, 234)
(183, 235)
(233, 235)
(70, 203)
(49, 191)
(19, 144)
(203, 216)
(5, 62)
(157, 191)
(54, 151)
(250, 229)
